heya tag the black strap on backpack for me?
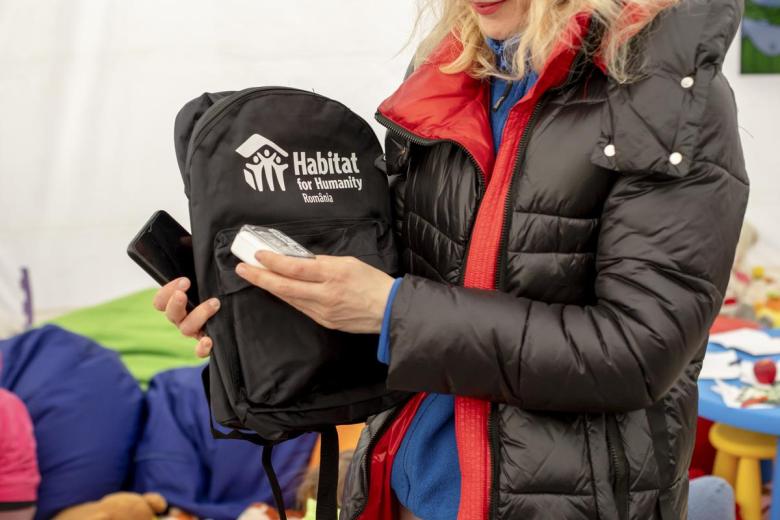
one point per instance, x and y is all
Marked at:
(327, 487)
(275, 487)
(328, 479)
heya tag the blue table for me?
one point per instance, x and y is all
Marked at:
(767, 421)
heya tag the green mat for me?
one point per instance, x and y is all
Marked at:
(143, 337)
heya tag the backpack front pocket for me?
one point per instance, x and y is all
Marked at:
(282, 354)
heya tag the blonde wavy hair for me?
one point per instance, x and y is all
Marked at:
(546, 22)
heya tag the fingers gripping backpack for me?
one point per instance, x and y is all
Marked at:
(307, 165)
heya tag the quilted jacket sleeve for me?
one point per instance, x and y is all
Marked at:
(665, 249)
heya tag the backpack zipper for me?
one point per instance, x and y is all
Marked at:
(212, 114)
(215, 112)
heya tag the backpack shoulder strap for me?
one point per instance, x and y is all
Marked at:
(327, 486)
(274, 481)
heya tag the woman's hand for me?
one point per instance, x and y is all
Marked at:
(172, 299)
(338, 292)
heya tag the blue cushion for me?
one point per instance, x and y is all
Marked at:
(218, 479)
(86, 409)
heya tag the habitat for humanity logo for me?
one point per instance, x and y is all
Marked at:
(268, 163)
(265, 162)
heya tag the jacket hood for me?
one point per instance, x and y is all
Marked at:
(692, 33)
(684, 51)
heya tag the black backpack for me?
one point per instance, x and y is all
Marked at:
(307, 165)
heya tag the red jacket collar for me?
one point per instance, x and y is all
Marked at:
(438, 106)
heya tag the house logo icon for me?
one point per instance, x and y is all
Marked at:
(267, 163)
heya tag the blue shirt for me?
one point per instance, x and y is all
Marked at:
(432, 490)
(504, 94)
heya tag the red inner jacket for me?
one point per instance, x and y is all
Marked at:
(438, 106)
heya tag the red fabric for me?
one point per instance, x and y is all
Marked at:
(19, 476)
(434, 105)
(471, 436)
(703, 452)
(379, 503)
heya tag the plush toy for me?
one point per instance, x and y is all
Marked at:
(735, 300)
(753, 293)
(118, 506)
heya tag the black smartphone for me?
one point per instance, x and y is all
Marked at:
(163, 248)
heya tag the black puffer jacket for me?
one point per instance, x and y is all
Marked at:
(608, 224)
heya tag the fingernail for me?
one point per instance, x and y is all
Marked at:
(240, 269)
(214, 303)
(183, 283)
(181, 297)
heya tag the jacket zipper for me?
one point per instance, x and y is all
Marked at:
(521, 149)
(619, 464)
(575, 71)
(493, 417)
(406, 134)
(481, 177)
(500, 276)
(502, 97)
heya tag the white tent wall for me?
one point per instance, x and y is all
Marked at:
(89, 90)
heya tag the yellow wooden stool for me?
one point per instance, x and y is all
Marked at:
(738, 462)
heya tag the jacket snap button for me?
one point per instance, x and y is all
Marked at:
(675, 158)
(609, 150)
(686, 82)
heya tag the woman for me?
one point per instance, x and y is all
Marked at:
(565, 253)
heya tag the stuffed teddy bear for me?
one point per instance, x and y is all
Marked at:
(118, 506)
